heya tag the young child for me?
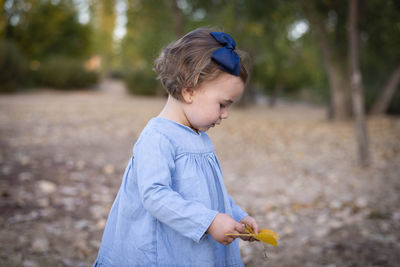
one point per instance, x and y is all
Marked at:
(172, 208)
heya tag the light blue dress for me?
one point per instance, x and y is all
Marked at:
(171, 191)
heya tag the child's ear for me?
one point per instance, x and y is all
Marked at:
(188, 95)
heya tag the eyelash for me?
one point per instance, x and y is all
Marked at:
(222, 105)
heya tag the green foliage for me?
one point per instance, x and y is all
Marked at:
(148, 30)
(12, 67)
(394, 107)
(380, 53)
(141, 82)
(103, 22)
(66, 73)
(117, 73)
(45, 29)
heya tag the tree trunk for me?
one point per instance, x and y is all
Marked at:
(382, 102)
(276, 93)
(178, 19)
(3, 20)
(356, 85)
(339, 105)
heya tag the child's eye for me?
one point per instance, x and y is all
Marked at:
(222, 105)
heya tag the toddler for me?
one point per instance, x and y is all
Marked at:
(172, 208)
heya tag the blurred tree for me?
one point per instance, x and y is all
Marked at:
(145, 35)
(42, 29)
(260, 28)
(148, 29)
(380, 53)
(382, 102)
(2, 20)
(327, 28)
(178, 18)
(379, 29)
(13, 67)
(103, 19)
(356, 83)
(281, 64)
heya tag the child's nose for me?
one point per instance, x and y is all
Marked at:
(224, 114)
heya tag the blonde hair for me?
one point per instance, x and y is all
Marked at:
(186, 63)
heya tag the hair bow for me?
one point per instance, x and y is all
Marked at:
(225, 56)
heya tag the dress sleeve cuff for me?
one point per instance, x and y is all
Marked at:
(201, 231)
(242, 215)
(239, 214)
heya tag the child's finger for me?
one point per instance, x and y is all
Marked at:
(240, 228)
(229, 240)
(255, 228)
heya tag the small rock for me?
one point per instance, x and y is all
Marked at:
(70, 164)
(365, 232)
(25, 176)
(385, 226)
(322, 219)
(84, 193)
(396, 216)
(29, 263)
(47, 187)
(80, 165)
(47, 163)
(335, 224)
(33, 215)
(108, 169)
(322, 232)
(69, 203)
(6, 169)
(101, 224)
(361, 202)
(247, 253)
(335, 204)
(81, 224)
(288, 231)
(292, 218)
(69, 190)
(53, 229)
(58, 158)
(24, 160)
(40, 245)
(97, 211)
(81, 247)
(95, 244)
(43, 202)
(315, 250)
(22, 239)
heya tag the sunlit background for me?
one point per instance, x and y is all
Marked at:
(309, 151)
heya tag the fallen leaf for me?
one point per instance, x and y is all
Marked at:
(264, 235)
(267, 236)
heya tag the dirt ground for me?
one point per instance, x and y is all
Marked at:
(63, 154)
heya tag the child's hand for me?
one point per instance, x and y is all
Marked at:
(250, 221)
(224, 224)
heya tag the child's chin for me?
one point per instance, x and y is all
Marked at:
(205, 129)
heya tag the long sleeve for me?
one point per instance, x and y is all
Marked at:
(238, 213)
(154, 161)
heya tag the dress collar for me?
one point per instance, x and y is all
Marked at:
(179, 124)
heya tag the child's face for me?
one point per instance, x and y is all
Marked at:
(211, 100)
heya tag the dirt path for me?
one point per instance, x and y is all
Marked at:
(62, 156)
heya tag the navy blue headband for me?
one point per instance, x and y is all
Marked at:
(226, 57)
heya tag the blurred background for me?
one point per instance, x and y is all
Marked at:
(312, 149)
